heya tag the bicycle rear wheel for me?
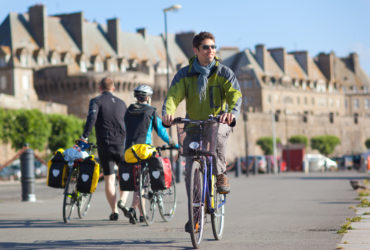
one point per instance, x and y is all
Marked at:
(83, 204)
(70, 196)
(196, 208)
(218, 216)
(167, 201)
(146, 194)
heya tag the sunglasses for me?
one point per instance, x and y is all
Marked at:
(207, 47)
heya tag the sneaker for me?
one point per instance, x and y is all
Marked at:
(113, 216)
(223, 186)
(123, 208)
(141, 218)
(187, 227)
(132, 215)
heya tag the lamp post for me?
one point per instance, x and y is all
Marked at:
(171, 8)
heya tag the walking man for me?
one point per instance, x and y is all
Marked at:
(106, 112)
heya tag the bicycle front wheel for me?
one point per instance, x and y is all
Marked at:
(218, 215)
(83, 204)
(70, 196)
(146, 194)
(196, 208)
(167, 201)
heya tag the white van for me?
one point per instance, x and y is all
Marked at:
(318, 163)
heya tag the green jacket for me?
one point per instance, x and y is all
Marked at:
(223, 93)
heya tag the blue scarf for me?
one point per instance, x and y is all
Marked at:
(204, 72)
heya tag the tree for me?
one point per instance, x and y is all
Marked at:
(64, 131)
(325, 144)
(27, 126)
(299, 139)
(367, 143)
(266, 144)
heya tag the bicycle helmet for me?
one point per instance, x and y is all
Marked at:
(143, 91)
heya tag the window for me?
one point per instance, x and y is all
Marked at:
(305, 100)
(25, 82)
(346, 103)
(298, 100)
(366, 89)
(354, 89)
(355, 103)
(83, 66)
(3, 82)
(24, 60)
(313, 100)
(99, 67)
(366, 103)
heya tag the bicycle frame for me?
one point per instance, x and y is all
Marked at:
(208, 190)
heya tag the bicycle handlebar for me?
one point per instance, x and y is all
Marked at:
(211, 118)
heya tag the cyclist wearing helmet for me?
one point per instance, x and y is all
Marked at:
(140, 120)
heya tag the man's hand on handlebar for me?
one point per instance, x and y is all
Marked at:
(167, 120)
(227, 118)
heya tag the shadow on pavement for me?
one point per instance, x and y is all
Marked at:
(326, 177)
(90, 244)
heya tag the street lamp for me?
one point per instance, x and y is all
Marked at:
(171, 8)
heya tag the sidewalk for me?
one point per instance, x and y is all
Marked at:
(358, 236)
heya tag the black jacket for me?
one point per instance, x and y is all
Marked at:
(107, 112)
(140, 120)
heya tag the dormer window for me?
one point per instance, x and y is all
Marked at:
(54, 58)
(82, 62)
(97, 63)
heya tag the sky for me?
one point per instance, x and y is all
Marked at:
(342, 26)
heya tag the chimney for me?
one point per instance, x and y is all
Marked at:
(326, 65)
(185, 41)
(279, 56)
(74, 24)
(261, 55)
(355, 62)
(114, 34)
(302, 58)
(142, 31)
(39, 24)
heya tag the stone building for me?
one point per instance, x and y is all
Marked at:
(55, 62)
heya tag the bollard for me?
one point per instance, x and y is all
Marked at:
(246, 167)
(28, 176)
(237, 167)
(178, 170)
(255, 166)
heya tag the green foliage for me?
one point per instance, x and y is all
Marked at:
(299, 139)
(325, 144)
(27, 126)
(64, 131)
(367, 143)
(266, 144)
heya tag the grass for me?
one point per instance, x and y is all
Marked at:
(345, 227)
(366, 213)
(364, 203)
(354, 219)
(364, 193)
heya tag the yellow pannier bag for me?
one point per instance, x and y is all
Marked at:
(139, 152)
(88, 177)
(57, 170)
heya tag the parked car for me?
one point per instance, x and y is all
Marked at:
(14, 170)
(319, 162)
(261, 163)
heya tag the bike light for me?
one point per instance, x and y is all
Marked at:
(194, 145)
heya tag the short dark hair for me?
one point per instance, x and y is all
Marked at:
(198, 39)
(106, 84)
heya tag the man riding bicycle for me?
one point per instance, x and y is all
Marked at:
(209, 88)
(140, 120)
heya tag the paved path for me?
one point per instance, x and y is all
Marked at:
(286, 211)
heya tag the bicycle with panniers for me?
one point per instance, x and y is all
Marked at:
(198, 140)
(83, 176)
(154, 181)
